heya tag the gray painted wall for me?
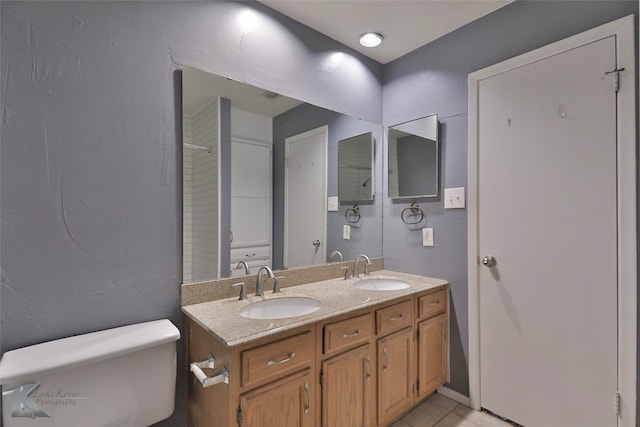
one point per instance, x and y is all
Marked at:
(89, 165)
(366, 236)
(433, 79)
(90, 153)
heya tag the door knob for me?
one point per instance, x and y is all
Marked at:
(316, 243)
(488, 261)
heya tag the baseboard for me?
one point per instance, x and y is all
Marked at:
(451, 394)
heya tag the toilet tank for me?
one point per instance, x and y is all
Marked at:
(122, 377)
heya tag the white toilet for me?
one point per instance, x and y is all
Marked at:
(122, 377)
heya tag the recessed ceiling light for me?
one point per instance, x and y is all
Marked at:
(370, 39)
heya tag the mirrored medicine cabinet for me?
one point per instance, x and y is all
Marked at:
(355, 168)
(413, 158)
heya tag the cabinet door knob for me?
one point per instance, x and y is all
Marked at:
(316, 243)
(489, 261)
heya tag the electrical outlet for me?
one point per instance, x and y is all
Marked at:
(454, 198)
(427, 237)
(332, 204)
(346, 232)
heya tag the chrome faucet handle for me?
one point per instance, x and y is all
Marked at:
(356, 272)
(259, 287)
(276, 285)
(346, 272)
(243, 290)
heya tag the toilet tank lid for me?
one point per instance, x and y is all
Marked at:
(27, 362)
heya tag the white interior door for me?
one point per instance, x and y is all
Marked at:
(305, 219)
(547, 213)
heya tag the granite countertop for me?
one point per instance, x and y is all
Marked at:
(222, 317)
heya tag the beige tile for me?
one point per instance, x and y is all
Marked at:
(425, 415)
(400, 423)
(453, 420)
(443, 401)
(479, 418)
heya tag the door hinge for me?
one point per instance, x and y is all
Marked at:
(616, 78)
(418, 387)
(616, 402)
(239, 416)
(418, 335)
(321, 379)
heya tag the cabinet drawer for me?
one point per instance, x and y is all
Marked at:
(347, 332)
(394, 317)
(432, 304)
(276, 359)
(251, 253)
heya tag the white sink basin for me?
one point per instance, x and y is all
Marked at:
(280, 308)
(381, 284)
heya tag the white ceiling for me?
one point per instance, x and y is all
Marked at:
(404, 24)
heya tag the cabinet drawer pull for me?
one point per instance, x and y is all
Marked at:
(398, 317)
(386, 363)
(352, 334)
(308, 404)
(434, 303)
(279, 362)
(250, 255)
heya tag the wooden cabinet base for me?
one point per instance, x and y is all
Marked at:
(361, 369)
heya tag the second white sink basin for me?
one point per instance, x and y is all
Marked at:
(280, 308)
(381, 284)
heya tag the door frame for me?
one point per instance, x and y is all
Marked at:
(623, 29)
(322, 130)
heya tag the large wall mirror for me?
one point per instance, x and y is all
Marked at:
(258, 168)
(413, 158)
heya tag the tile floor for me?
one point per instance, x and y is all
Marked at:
(440, 411)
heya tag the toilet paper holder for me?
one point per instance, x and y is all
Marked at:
(206, 381)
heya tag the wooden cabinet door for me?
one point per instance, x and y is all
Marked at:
(395, 375)
(348, 390)
(432, 354)
(284, 403)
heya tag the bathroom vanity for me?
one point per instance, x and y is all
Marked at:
(364, 358)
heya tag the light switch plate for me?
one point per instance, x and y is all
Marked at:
(427, 237)
(346, 232)
(454, 198)
(332, 204)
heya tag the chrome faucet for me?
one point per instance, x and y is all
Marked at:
(259, 287)
(334, 253)
(246, 267)
(356, 273)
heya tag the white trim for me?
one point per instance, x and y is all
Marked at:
(322, 130)
(219, 172)
(251, 141)
(454, 395)
(623, 29)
